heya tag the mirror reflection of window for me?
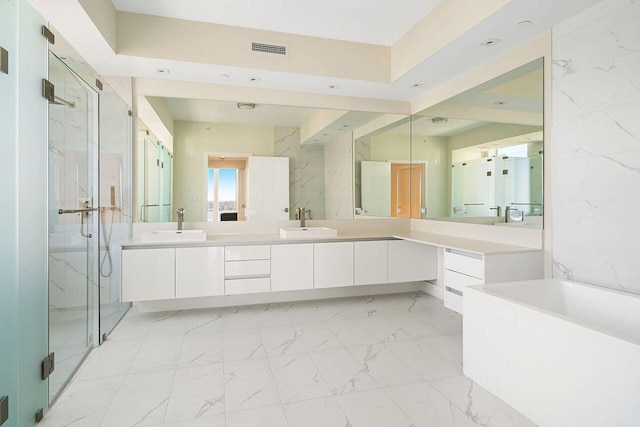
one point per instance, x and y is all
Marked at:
(222, 203)
(226, 188)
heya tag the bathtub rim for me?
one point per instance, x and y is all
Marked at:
(485, 289)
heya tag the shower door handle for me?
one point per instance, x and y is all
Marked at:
(71, 211)
(83, 212)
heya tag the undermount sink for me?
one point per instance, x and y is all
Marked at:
(170, 236)
(307, 232)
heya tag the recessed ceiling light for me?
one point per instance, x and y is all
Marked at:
(416, 84)
(525, 23)
(246, 105)
(163, 71)
(439, 120)
(333, 87)
(254, 79)
(225, 76)
(490, 42)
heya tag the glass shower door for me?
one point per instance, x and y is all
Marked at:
(72, 223)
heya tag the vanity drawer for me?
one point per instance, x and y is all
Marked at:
(458, 281)
(247, 269)
(247, 286)
(247, 253)
(465, 263)
(453, 299)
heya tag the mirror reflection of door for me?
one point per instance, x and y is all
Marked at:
(407, 189)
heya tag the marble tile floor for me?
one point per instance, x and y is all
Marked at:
(388, 361)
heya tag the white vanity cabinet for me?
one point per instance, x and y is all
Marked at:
(332, 264)
(148, 274)
(292, 267)
(411, 262)
(370, 263)
(199, 272)
(463, 269)
(247, 269)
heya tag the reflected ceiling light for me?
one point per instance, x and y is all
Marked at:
(225, 76)
(417, 84)
(500, 103)
(163, 71)
(254, 79)
(490, 42)
(439, 120)
(246, 105)
(525, 23)
(333, 87)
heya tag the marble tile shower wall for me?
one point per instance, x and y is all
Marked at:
(596, 146)
(338, 177)
(306, 171)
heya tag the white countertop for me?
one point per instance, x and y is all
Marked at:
(441, 240)
(468, 245)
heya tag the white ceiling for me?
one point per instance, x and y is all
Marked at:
(198, 110)
(380, 22)
(458, 57)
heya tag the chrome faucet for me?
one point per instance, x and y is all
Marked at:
(506, 212)
(301, 215)
(498, 210)
(180, 213)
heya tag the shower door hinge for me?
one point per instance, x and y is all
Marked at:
(130, 113)
(48, 365)
(48, 90)
(46, 32)
(99, 84)
(4, 409)
(39, 415)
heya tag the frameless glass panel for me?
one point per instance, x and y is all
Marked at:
(72, 122)
(115, 203)
(166, 171)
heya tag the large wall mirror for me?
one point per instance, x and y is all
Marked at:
(490, 141)
(244, 162)
(476, 157)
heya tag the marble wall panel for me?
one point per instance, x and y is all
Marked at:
(306, 171)
(338, 177)
(596, 146)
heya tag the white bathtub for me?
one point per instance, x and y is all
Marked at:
(562, 353)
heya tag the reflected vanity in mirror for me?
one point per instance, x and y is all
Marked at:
(483, 152)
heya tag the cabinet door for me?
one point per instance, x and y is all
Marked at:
(199, 272)
(148, 274)
(332, 264)
(370, 263)
(291, 267)
(411, 262)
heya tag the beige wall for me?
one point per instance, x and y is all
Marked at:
(435, 152)
(193, 140)
(491, 132)
(389, 146)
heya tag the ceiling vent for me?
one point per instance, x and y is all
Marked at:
(272, 49)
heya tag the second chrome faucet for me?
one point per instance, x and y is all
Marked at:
(180, 213)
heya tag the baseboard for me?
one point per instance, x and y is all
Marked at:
(433, 290)
(278, 297)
